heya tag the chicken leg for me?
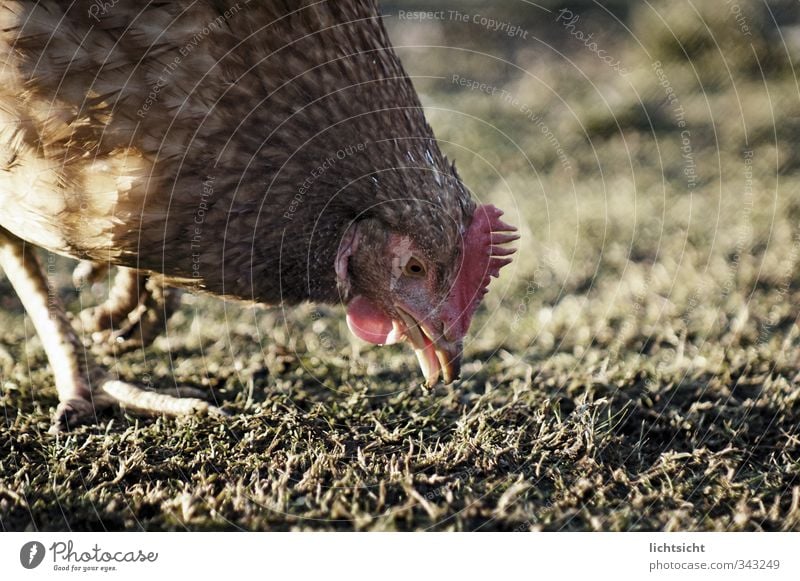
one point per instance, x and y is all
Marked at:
(135, 312)
(83, 388)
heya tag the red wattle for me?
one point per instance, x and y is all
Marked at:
(368, 322)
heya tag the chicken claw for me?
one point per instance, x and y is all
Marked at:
(134, 314)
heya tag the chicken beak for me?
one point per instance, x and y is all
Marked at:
(437, 357)
(449, 357)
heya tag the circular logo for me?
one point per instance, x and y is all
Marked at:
(31, 554)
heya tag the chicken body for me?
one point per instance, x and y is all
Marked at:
(217, 143)
(269, 151)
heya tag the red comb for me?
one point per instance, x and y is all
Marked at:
(482, 258)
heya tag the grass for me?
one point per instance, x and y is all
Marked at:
(636, 369)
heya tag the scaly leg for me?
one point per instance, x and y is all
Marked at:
(157, 304)
(160, 304)
(74, 370)
(123, 298)
(61, 344)
(133, 315)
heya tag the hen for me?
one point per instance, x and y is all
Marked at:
(271, 151)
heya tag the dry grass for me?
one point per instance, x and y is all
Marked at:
(637, 368)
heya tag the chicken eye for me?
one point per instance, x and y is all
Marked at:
(414, 268)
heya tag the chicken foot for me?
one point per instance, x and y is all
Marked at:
(135, 312)
(83, 388)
